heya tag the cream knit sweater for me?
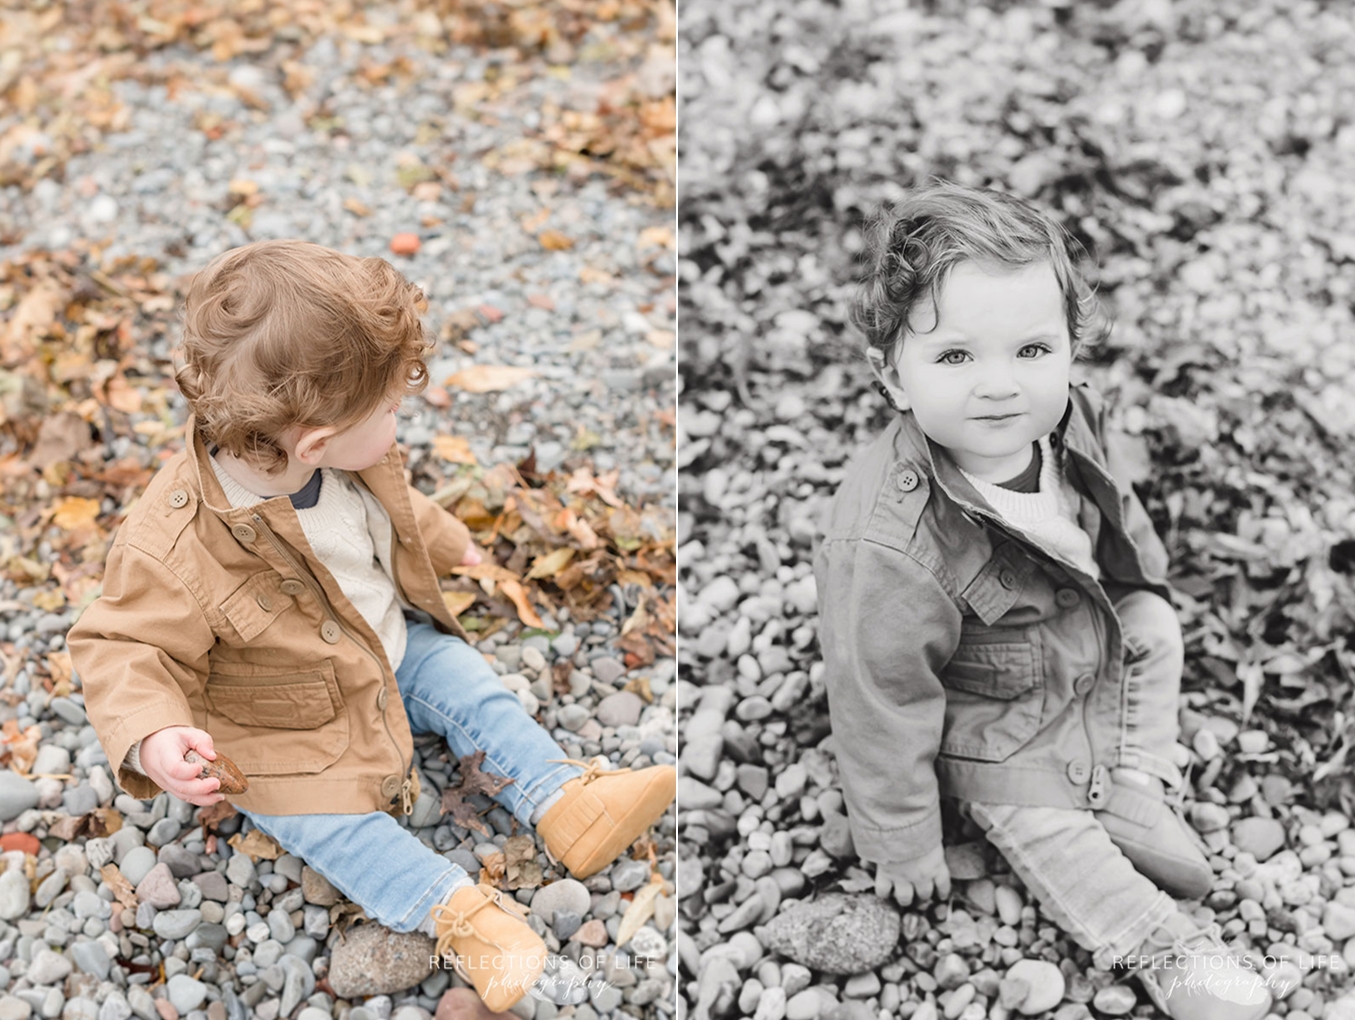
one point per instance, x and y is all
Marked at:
(1048, 517)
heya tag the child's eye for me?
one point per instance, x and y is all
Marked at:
(1031, 351)
(953, 358)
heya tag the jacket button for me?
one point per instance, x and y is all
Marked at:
(178, 498)
(1084, 683)
(244, 533)
(329, 630)
(1067, 597)
(292, 586)
(1007, 578)
(907, 481)
(265, 603)
(390, 786)
(382, 698)
(1079, 771)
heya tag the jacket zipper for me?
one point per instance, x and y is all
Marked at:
(310, 582)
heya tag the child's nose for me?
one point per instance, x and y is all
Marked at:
(996, 383)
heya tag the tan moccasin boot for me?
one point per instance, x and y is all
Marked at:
(603, 812)
(1193, 975)
(491, 943)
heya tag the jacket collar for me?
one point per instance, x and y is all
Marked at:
(378, 478)
(1073, 433)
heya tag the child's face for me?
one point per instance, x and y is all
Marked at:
(992, 376)
(360, 446)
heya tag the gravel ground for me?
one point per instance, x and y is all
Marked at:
(1195, 147)
(215, 935)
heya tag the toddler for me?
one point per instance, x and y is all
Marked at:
(273, 595)
(993, 606)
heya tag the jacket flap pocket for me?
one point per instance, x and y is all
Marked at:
(997, 586)
(255, 604)
(294, 701)
(1001, 669)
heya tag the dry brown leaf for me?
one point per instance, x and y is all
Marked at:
(457, 602)
(214, 814)
(75, 512)
(486, 571)
(473, 781)
(259, 845)
(550, 564)
(521, 869)
(455, 449)
(61, 436)
(641, 909)
(488, 378)
(518, 597)
(553, 240)
(122, 888)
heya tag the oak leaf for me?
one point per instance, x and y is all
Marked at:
(473, 781)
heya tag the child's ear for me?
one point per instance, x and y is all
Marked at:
(882, 365)
(311, 445)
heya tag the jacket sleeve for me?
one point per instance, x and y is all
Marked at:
(139, 649)
(445, 537)
(887, 629)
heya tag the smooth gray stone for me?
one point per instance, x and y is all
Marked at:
(176, 924)
(207, 936)
(185, 992)
(136, 864)
(79, 800)
(14, 895)
(17, 795)
(162, 832)
(91, 957)
(182, 863)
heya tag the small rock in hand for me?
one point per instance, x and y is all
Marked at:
(232, 779)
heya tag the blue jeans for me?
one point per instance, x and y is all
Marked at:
(447, 688)
(1065, 857)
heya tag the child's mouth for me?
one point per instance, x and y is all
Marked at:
(997, 419)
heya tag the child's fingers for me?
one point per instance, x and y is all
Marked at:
(198, 790)
(883, 886)
(903, 893)
(943, 884)
(924, 889)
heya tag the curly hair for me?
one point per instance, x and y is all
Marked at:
(286, 333)
(912, 246)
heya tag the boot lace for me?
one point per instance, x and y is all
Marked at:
(592, 768)
(453, 924)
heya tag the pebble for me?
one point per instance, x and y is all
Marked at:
(175, 924)
(17, 795)
(371, 960)
(1009, 903)
(1260, 837)
(47, 967)
(1115, 1000)
(1045, 985)
(837, 933)
(14, 895)
(137, 863)
(185, 992)
(564, 894)
(158, 888)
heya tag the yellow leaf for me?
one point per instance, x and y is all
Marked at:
(242, 186)
(49, 600)
(550, 564)
(257, 844)
(519, 599)
(453, 448)
(457, 602)
(553, 240)
(641, 909)
(75, 512)
(486, 571)
(488, 378)
(356, 207)
(655, 237)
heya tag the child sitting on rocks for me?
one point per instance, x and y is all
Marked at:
(993, 605)
(274, 594)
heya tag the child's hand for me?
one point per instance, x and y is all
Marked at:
(923, 876)
(471, 556)
(162, 759)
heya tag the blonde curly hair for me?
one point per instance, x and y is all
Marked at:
(279, 334)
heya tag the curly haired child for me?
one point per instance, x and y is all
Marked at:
(273, 595)
(993, 604)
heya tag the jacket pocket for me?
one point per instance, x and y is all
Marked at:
(274, 721)
(253, 606)
(994, 696)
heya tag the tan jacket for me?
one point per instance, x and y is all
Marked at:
(962, 658)
(224, 619)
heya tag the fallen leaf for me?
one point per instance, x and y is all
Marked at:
(488, 378)
(455, 449)
(553, 240)
(258, 844)
(122, 888)
(214, 814)
(521, 868)
(550, 564)
(75, 512)
(61, 436)
(473, 781)
(518, 597)
(641, 909)
(457, 602)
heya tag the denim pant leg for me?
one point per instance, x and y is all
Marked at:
(1082, 880)
(373, 860)
(1151, 690)
(448, 688)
